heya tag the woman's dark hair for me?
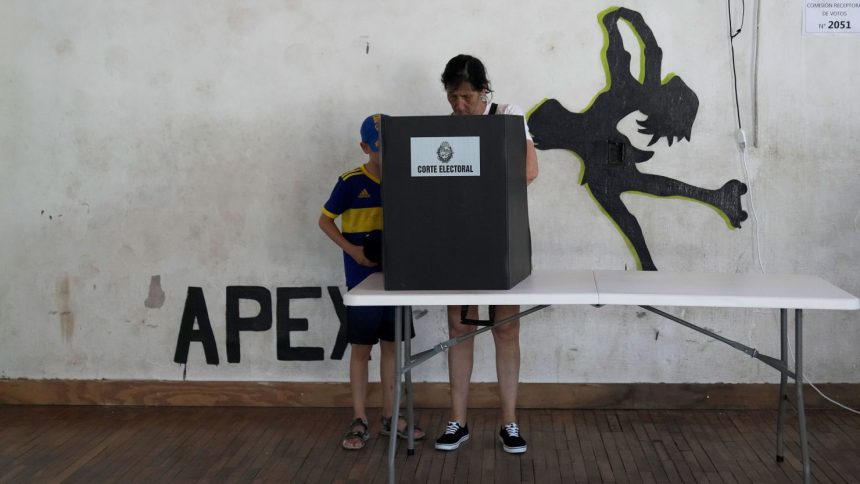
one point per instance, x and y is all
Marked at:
(465, 68)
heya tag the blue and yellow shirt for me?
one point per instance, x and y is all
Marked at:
(357, 199)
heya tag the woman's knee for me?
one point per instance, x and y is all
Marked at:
(455, 316)
(508, 333)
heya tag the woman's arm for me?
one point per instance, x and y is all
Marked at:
(531, 162)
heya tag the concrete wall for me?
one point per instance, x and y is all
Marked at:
(156, 146)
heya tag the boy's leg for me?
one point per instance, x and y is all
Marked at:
(359, 356)
(362, 333)
(357, 434)
(386, 376)
(387, 372)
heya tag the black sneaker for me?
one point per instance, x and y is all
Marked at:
(510, 438)
(454, 436)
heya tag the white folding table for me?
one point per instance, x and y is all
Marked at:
(628, 288)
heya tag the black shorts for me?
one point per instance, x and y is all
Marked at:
(366, 325)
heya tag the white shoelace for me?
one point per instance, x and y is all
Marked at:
(452, 427)
(512, 429)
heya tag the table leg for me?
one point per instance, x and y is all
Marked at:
(783, 378)
(410, 397)
(798, 381)
(398, 387)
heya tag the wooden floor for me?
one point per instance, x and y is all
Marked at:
(245, 444)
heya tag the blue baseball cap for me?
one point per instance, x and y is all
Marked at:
(370, 131)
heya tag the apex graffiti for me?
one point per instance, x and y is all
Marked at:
(195, 310)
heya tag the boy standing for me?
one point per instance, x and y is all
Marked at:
(356, 197)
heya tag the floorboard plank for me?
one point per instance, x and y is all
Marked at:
(250, 444)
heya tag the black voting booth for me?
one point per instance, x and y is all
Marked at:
(455, 210)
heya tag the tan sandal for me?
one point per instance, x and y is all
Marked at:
(386, 429)
(354, 439)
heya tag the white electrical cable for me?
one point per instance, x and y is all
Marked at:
(754, 77)
(756, 234)
(742, 145)
(807, 380)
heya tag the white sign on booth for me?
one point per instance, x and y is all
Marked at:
(446, 156)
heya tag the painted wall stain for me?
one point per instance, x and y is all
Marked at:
(51, 216)
(156, 294)
(116, 60)
(67, 318)
(64, 47)
(241, 20)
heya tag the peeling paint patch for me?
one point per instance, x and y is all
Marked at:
(156, 294)
(67, 318)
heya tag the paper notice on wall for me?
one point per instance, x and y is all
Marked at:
(821, 17)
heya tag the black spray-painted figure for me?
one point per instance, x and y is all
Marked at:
(609, 159)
